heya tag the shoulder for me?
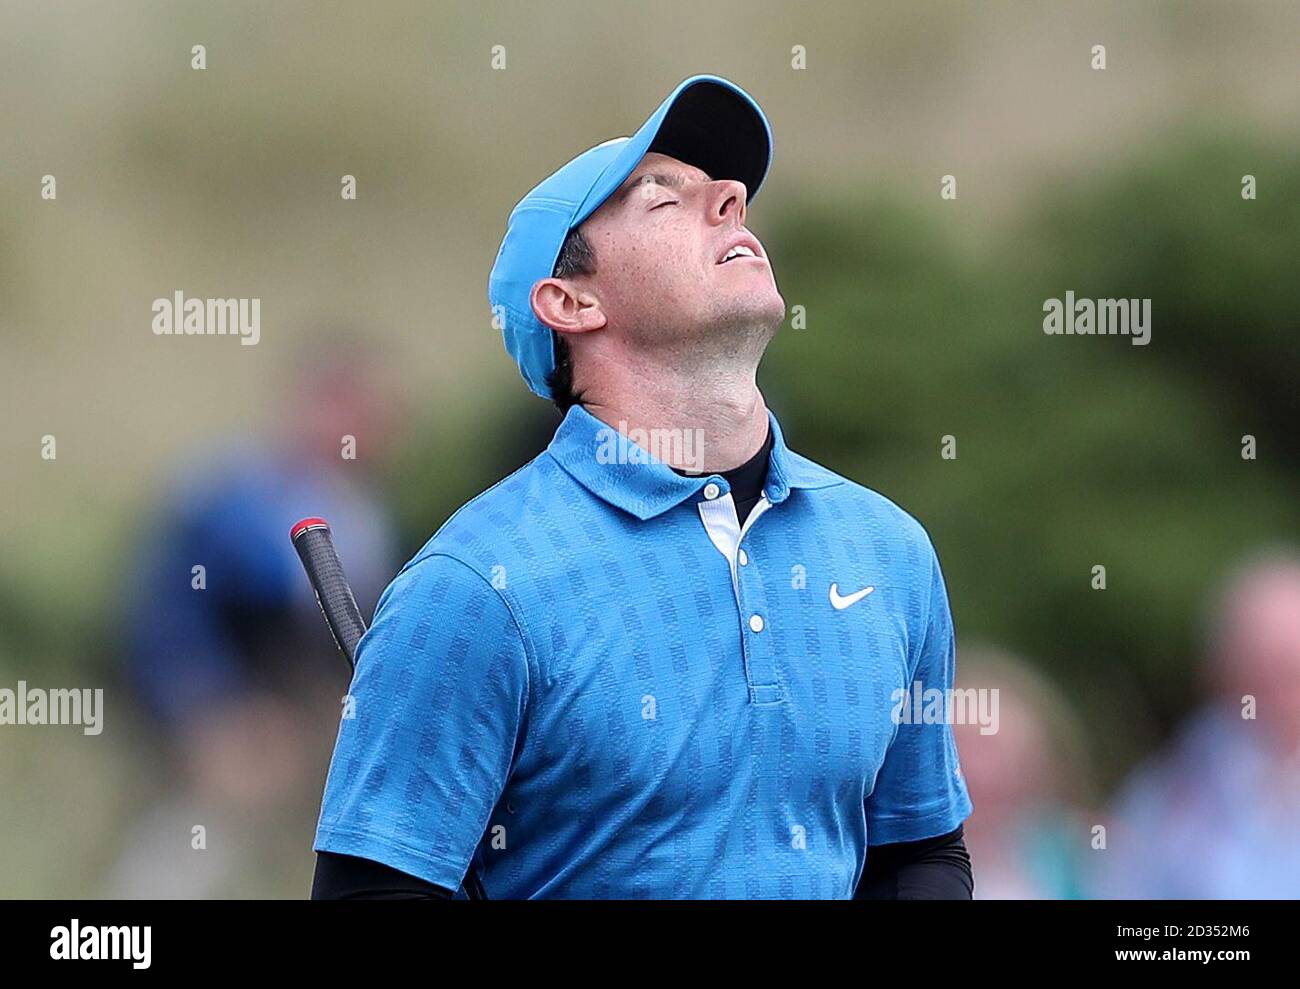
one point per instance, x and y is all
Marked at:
(510, 527)
(858, 508)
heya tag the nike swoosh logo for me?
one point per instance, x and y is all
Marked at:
(840, 603)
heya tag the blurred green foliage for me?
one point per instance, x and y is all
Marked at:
(1071, 451)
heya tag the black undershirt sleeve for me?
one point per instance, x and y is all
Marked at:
(346, 877)
(932, 869)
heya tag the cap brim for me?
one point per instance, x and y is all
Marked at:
(707, 122)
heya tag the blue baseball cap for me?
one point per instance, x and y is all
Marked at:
(706, 121)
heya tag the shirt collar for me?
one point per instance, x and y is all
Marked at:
(626, 474)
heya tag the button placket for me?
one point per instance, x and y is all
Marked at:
(757, 647)
(757, 634)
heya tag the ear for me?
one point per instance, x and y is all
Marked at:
(562, 306)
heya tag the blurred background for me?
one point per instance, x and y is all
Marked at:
(1120, 708)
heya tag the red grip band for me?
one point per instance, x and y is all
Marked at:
(305, 524)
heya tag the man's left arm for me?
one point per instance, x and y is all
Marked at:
(931, 869)
(914, 814)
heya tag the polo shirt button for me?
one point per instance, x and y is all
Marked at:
(744, 558)
(756, 623)
(711, 491)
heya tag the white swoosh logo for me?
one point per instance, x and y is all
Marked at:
(840, 603)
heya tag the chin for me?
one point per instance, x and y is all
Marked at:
(755, 314)
(768, 308)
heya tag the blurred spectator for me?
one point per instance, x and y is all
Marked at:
(1028, 837)
(1217, 814)
(240, 676)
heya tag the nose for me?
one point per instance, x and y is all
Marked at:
(727, 202)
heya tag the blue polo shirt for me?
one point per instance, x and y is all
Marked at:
(593, 682)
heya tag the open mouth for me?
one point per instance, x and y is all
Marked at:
(739, 251)
(744, 248)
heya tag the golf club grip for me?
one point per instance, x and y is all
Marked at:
(311, 538)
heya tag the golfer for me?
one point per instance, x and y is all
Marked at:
(670, 657)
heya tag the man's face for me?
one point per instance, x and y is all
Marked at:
(676, 268)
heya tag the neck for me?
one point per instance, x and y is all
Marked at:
(716, 415)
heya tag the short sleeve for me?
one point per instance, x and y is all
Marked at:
(429, 726)
(919, 791)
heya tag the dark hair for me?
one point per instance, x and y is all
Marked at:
(576, 258)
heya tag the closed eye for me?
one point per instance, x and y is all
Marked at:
(669, 202)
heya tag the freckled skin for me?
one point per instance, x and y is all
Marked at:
(657, 279)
